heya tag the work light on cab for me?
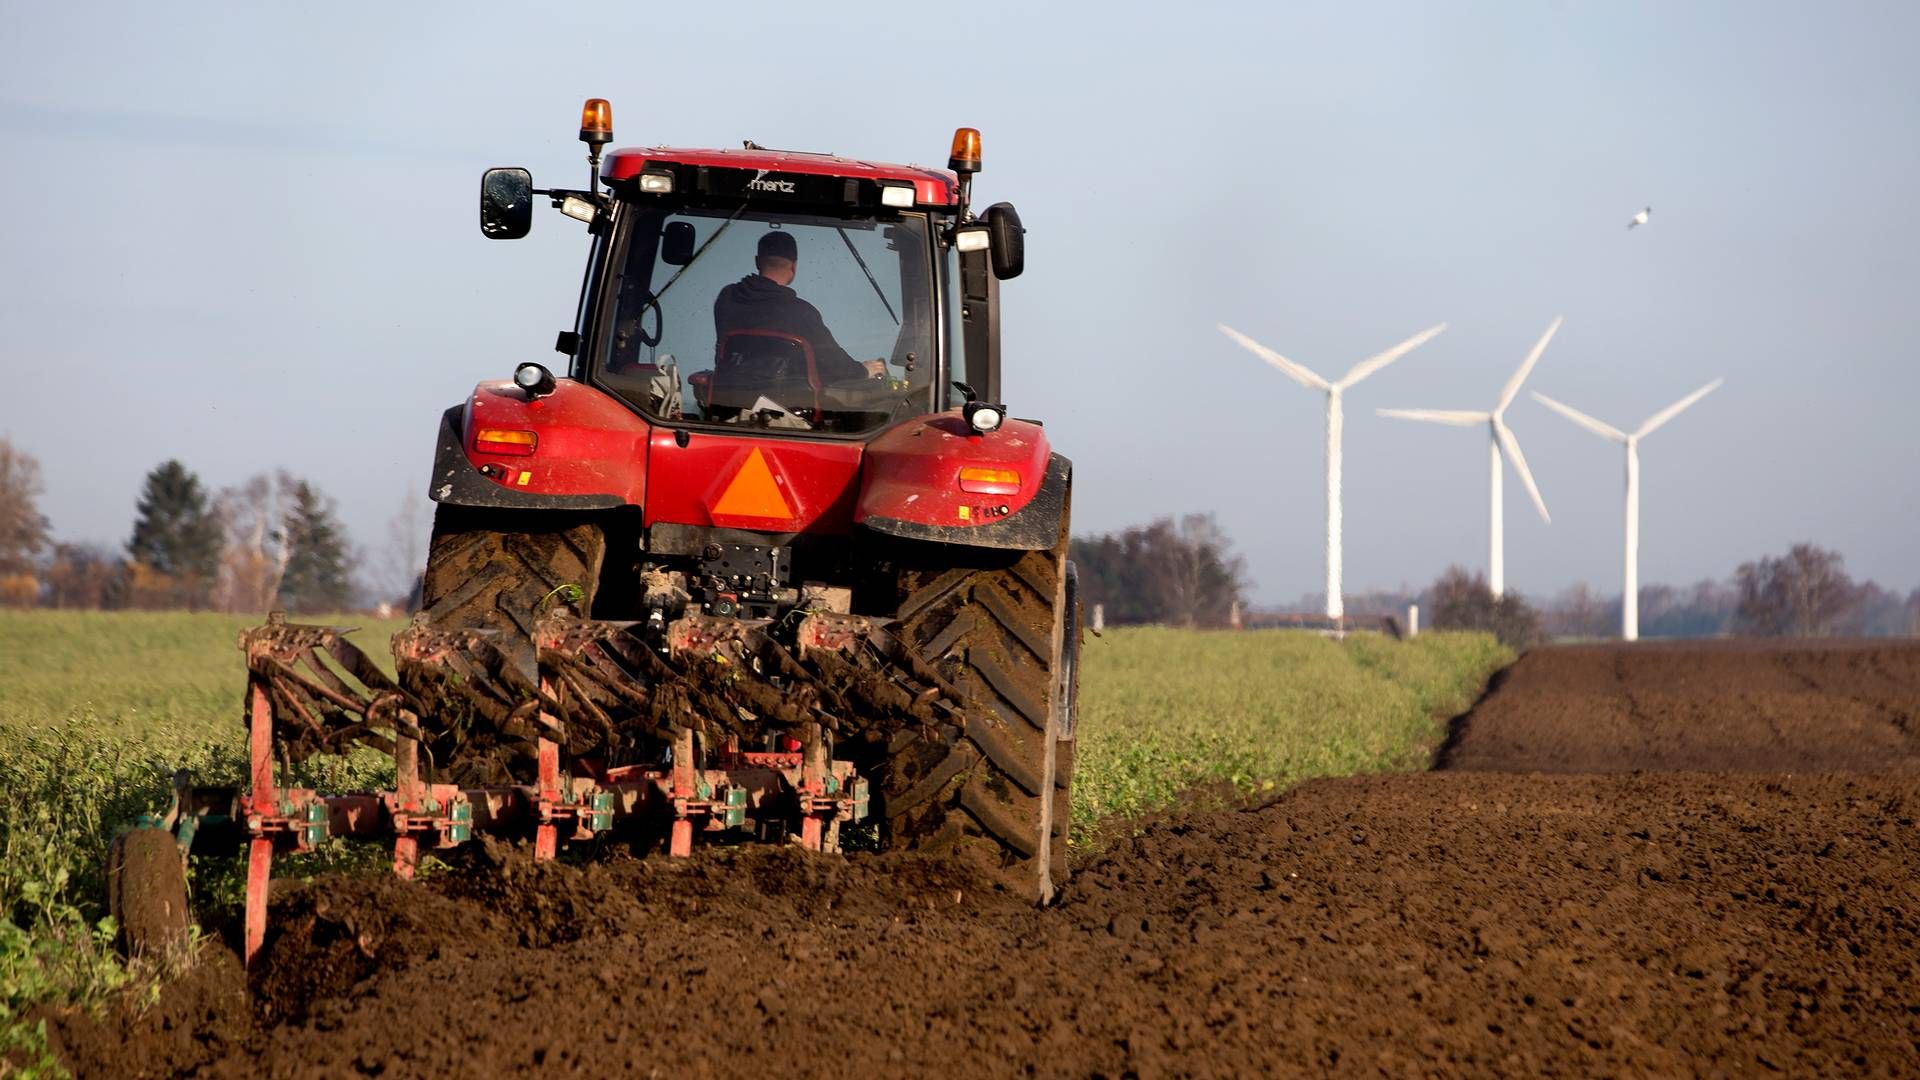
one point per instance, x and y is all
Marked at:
(983, 416)
(534, 379)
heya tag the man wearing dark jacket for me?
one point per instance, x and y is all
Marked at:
(766, 301)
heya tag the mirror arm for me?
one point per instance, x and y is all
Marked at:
(559, 195)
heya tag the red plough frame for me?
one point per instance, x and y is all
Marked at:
(733, 789)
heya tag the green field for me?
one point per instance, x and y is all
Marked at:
(98, 709)
(145, 672)
(1163, 711)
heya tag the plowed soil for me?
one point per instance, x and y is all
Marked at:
(1649, 859)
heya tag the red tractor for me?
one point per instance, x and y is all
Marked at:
(764, 558)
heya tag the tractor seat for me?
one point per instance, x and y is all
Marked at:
(751, 364)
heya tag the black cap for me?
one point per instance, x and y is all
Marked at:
(780, 245)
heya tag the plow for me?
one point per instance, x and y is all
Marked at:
(785, 598)
(725, 731)
(657, 746)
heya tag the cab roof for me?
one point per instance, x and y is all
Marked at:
(936, 187)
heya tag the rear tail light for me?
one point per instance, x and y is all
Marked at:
(505, 441)
(989, 481)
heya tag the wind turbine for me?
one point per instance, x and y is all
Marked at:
(1336, 608)
(1630, 597)
(1499, 438)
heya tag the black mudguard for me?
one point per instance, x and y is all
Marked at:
(1034, 527)
(457, 483)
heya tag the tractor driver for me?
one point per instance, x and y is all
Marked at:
(765, 300)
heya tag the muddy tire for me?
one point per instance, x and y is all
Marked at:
(500, 570)
(999, 784)
(494, 570)
(147, 891)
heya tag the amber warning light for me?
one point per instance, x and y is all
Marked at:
(965, 157)
(596, 122)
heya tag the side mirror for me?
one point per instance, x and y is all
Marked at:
(676, 243)
(506, 203)
(1009, 240)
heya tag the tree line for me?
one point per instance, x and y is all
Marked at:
(1179, 572)
(276, 541)
(1804, 592)
(272, 542)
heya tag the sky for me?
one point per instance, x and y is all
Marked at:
(245, 237)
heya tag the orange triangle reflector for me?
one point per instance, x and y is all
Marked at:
(753, 492)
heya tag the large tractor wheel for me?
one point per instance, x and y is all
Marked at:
(1001, 633)
(147, 891)
(498, 570)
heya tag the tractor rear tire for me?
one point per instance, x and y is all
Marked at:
(147, 891)
(998, 783)
(499, 570)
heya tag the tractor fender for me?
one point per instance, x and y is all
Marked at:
(591, 453)
(1032, 526)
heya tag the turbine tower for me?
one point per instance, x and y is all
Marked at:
(1499, 438)
(1336, 608)
(1630, 597)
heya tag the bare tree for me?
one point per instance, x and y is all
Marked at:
(1189, 572)
(1804, 593)
(1183, 573)
(1463, 601)
(23, 529)
(251, 516)
(83, 576)
(1876, 612)
(1578, 613)
(405, 552)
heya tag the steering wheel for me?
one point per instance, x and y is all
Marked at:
(659, 323)
(862, 394)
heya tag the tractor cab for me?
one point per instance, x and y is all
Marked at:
(779, 319)
(777, 292)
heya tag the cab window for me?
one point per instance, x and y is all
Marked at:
(782, 321)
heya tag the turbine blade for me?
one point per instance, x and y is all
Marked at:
(1518, 460)
(1598, 427)
(1456, 417)
(1512, 389)
(1676, 408)
(1374, 363)
(1287, 367)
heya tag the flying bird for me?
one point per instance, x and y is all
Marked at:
(1641, 217)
